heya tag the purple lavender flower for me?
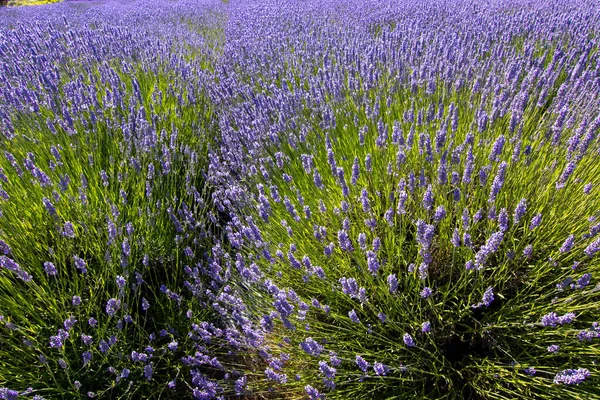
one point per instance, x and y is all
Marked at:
(76, 300)
(145, 304)
(344, 241)
(87, 357)
(240, 385)
(503, 220)
(408, 340)
(50, 268)
(553, 348)
(376, 244)
(382, 317)
(530, 371)
(571, 376)
(428, 198)
(392, 281)
(389, 216)
(425, 233)
(440, 214)
(380, 369)
(68, 230)
(455, 240)
(9, 394)
(467, 240)
(353, 316)
(402, 198)
(328, 250)
(592, 248)
(349, 286)
(69, 323)
(426, 292)
(80, 264)
(567, 172)
(274, 376)
(103, 346)
(362, 364)
(587, 336)
(172, 346)
(326, 370)
(355, 171)
(552, 319)
(104, 178)
(478, 216)
(148, 371)
(568, 244)
(56, 341)
(86, 339)
(535, 222)
(312, 393)
(520, 211)
(498, 182)
(567, 318)
(488, 297)
(317, 179)
(584, 280)
(112, 306)
(49, 207)
(497, 149)
(362, 241)
(364, 199)
(362, 295)
(311, 347)
(372, 263)
(426, 327)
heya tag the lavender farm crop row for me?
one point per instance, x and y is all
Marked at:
(274, 199)
(422, 188)
(110, 245)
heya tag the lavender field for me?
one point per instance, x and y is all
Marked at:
(280, 199)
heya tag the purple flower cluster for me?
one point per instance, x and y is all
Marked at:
(572, 376)
(553, 319)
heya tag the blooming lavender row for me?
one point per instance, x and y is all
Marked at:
(413, 187)
(113, 273)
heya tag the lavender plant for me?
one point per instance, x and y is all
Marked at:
(416, 209)
(111, 282)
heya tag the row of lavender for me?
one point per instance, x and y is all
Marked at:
(400, 202)
(112, 278)
(418, 194)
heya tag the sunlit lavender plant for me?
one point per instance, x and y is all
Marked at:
(112, 274)
(448, 183)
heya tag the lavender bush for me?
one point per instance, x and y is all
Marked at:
(417, 213)
(110, 247)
